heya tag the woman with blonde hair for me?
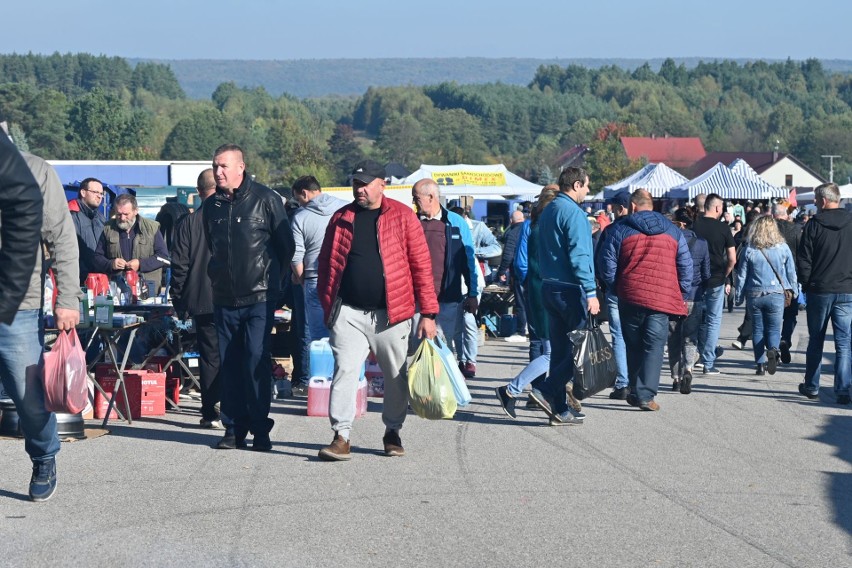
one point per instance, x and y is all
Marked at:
(765, 270)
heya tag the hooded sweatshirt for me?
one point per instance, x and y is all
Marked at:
(309, 224)
(646, 260)
(825, 256)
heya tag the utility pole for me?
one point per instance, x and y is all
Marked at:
(831, 166)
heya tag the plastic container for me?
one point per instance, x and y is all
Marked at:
(319, 392)
(321, 359)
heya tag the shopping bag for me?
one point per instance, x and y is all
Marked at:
(594, 361)
(460, 390)
(66, 387)
(431, 394)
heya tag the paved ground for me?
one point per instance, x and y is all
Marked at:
(743, 472)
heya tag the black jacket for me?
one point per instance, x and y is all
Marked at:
(250, 241)
(191, 290)
(825, 256)
(510, 244)
(792, 234)
(20, 228)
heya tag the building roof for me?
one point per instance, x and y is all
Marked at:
(759, 161)
(677, 153)
(574, 156)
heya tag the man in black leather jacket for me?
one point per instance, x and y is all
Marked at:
(250, 241)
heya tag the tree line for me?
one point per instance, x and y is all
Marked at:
(79, 106)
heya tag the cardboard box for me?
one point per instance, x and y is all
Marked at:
(146, 393)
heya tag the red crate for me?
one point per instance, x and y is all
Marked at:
(146, 392)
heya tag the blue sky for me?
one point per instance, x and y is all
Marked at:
(318, 29)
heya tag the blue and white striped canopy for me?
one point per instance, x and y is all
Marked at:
(658, 179)
(728, 184)
(743, 168)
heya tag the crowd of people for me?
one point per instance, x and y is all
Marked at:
(376, 275)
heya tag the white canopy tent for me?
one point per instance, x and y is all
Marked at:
(743, 168)
(808, 197)
(656, 178)
(728, 184)
(484, 182)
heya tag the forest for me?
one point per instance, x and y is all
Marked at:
(81, 106)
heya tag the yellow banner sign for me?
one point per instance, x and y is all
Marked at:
(461, 177)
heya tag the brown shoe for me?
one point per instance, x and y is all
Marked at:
(393, 445)
(649, 405)
(572, 400)
(338, 450)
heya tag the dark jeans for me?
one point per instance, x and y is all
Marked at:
(791, 312)
(823, 308)
(567, 310)
(518, 289)
(645, 333)
(246, 369)
(208, 364)
(299, 334)
(537, 344)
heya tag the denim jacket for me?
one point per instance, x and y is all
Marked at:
(755, 276)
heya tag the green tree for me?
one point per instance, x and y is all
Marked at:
(196, 136)
(104, 127)
(401, 140)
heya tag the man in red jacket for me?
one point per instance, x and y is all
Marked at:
(373, 264)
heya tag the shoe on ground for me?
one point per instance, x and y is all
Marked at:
(338, 450)
(532, 404)
(711, 370)
(804, 392)
(760, 369)
(686, 382)
(567, 418)
(719, 351)
(261, 443)
(211, 424)
(650, 405)
(573, 403)
(507, 401)
(300, 390)
(541, 400)
(43, 481)
(392, 444)
(516, 338)
(231, 441)
(469, 370)
(737, 344)
(633, 400)
(619, 393)
(675, 385)
(843, 399)
(772, 357)
(785, 353)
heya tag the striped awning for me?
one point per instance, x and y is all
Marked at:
(720, 179)
(741, 167)
(658, 179)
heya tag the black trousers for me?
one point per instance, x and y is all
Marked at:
(208, 364)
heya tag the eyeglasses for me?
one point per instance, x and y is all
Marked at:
(100, 193)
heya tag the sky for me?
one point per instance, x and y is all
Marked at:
(330, 29)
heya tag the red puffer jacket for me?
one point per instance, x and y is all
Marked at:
(405, 258)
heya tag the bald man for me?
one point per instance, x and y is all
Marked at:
(453, 259)
(192, 294)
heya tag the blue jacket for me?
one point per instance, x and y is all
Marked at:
(459, 261)
(565, 246)
(755, 276)
(521, 262)
(700, 263)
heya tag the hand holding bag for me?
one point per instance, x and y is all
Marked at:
(594, 361)
(65, 378)
(431, 394)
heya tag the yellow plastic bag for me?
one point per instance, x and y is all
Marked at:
(429, 385)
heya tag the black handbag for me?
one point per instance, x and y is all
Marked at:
(594, 361)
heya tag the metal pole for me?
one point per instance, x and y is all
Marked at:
(831, 166)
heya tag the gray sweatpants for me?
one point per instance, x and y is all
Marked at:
(352, 336)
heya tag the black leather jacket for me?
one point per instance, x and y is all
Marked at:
(250, 241)
(20, 228)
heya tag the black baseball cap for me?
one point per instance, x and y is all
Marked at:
(621, 199)
(368, 170)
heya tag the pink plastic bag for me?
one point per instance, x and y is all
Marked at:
(65, 378)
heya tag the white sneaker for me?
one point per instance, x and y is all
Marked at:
(211, 424)
(517, 338)
(737, 344)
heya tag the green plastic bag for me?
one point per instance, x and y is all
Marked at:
(429, 385)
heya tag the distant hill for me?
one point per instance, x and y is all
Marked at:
(322, 77)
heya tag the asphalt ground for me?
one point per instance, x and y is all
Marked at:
(742, 472)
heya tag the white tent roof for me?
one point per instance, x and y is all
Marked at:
(742, 167)
(845, 193)
(464, 179)
(720, 179)
(656, 178)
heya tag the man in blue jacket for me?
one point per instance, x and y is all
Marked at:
(451, 250)
(568, 289)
